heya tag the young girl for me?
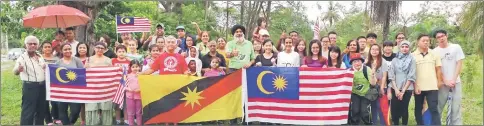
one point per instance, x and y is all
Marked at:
(261, 24)
(133, 96)
(133, 51)
(288, 58)
(214, 71)
(193, 56)
(334, 60)
(314, 59)
(325, 43)
(300, 49)
(257, 47)
(154, 53)
(375, 62)
(192, 68)
(267, 58)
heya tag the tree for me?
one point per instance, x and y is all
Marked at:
(383, 12)
(331, 15)
(473, 22)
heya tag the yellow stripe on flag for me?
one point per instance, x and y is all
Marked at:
(154, 87)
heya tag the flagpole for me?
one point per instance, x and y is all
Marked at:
(116, 29)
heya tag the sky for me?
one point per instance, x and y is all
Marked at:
(407, 8)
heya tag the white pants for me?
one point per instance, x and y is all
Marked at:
(454, 114)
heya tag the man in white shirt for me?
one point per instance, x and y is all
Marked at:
(70, 39)
(451, 57)
(31, 68)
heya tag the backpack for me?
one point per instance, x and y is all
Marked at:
(373, 92)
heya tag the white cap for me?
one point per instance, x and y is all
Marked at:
(263, 32)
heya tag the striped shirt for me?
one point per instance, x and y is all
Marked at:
(33, 68)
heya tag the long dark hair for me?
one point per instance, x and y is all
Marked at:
(309, 58)
(370, 57)
(107, 40)
(133, 62)
(87, 49)
(297, 44)
(357, 46)
(338, 59)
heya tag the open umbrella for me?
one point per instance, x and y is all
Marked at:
(55, 16)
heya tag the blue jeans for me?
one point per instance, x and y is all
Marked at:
(376, 113)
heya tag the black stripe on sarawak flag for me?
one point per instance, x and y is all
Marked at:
(181, 104)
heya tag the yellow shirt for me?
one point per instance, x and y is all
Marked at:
(425, 72)
(224, 53)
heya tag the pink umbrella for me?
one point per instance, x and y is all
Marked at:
(55, 16)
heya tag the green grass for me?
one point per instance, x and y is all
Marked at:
(471, 102)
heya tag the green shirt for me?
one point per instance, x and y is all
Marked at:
(360, 83)
(246, 53)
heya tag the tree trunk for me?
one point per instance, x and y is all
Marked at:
(166, 5)
(268, 13)
(242, 9)
(386, 26)
(85, 33)
(227, 22)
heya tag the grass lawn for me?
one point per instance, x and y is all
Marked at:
(471, 102)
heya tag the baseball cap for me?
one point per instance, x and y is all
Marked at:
(160, 25)
(180, 27)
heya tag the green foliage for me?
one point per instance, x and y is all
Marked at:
(350, 28)
(287, 19)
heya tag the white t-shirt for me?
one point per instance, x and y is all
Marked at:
(449, 57)
(288, 59)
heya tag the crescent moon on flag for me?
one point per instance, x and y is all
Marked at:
(259, 82)
(57, 75)
(123, 20)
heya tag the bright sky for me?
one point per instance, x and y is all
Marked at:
(407, 8)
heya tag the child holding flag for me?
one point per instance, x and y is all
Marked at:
(133, 96)
(121, 60)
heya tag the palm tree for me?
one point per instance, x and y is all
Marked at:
(383, 12)
(332, 14)
(473, 21)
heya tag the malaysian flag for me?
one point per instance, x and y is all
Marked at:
(132, 24)
(316, 29)
(119, 97)
(299, 96)
(80, 85)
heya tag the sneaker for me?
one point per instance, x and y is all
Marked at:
(50, 124)
(126, 122)
(58, 122)
(83, 123)
(118, 122)
(135, 121)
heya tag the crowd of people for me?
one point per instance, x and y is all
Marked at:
(388, 70)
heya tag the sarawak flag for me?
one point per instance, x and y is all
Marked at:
(299, 96)
(80, 85)
(186, 99)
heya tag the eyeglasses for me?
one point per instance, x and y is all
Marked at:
(352, 44)
(400, 38)
(98, 47)
(31, 43)
(438, 37)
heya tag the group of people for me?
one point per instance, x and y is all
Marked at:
(388, 71)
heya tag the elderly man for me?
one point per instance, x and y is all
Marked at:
(239, 50)
(31, 68)
(207, 59)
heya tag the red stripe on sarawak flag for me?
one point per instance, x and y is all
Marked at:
(140, 25)
(101, 85)
(324, 97)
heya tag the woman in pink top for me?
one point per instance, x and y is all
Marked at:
(133, 96)
(215, 70)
